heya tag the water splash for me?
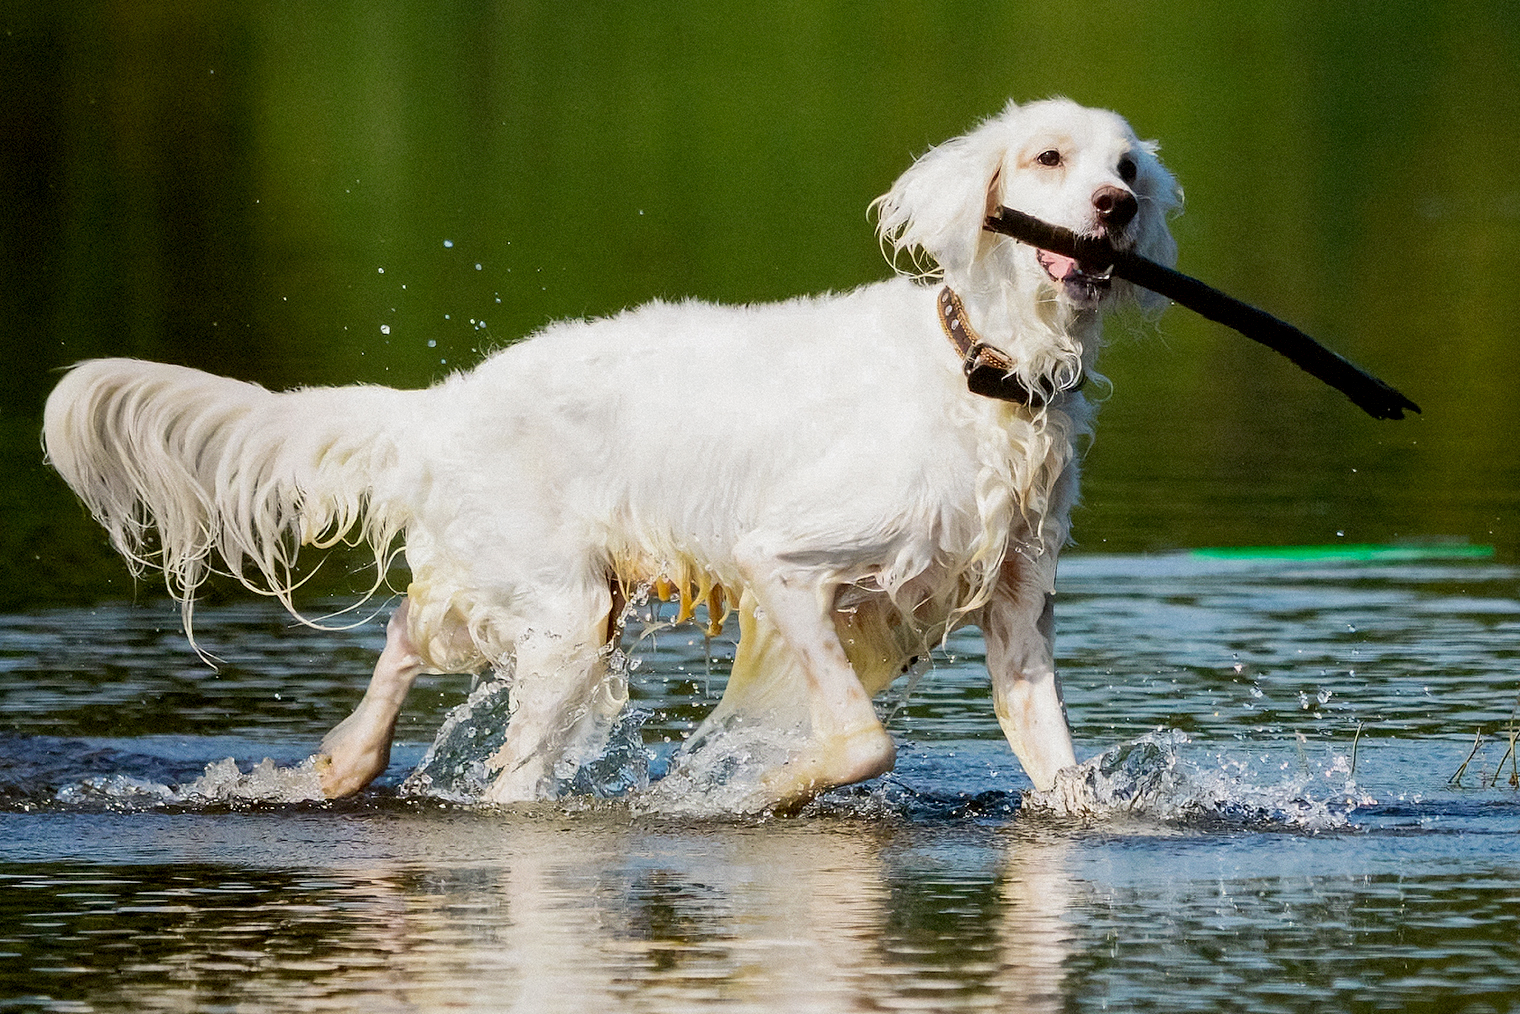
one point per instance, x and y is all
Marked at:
(119, 791)
(456, 767)
(222, 782)
(265, 782)
(618, 766)
(720, 771)
(1157, 778)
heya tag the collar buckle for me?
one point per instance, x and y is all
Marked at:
(988, 368)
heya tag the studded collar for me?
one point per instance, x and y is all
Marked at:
(987, 368)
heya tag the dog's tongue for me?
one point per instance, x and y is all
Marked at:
(1058, 266)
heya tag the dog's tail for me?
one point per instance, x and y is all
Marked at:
(193, 474)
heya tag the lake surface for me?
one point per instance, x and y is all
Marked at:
(298, 195)
(1240, 864)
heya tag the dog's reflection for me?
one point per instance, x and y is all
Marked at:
(550, 914)
(1034, 929)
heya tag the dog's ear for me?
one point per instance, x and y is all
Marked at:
(938, 205)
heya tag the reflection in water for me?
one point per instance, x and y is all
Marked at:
(411, 909)
(1035, 933)
(547, 913)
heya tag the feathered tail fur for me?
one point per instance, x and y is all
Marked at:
(192, 474)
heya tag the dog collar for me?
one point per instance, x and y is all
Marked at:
(988, 369)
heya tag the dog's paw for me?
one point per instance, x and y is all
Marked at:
(343, 776)
(824, 764)
(1071, 794)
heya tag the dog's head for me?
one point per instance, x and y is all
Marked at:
(1080, 168)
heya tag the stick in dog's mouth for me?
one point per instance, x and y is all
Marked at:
(1065, 256)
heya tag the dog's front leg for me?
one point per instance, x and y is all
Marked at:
(846, 742)
(359, 748)
(564, 695)
(1019, 627)
(564, 700)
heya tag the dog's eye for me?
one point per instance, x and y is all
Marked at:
(1128, 170)
(1050, 157)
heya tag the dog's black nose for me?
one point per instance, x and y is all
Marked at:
(1115, 206)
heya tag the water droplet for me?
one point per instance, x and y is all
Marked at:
(448, 244)
(382, 271)
(432, 343)
(385, 329)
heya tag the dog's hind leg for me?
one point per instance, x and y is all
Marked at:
(768, 684)
(1019, 627)
(359, 748)
(845, 741)
(564, 697)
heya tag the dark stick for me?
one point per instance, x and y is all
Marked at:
(1369, 393)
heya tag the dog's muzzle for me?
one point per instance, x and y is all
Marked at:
(1087, 283)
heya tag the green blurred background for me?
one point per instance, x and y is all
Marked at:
(326, 193)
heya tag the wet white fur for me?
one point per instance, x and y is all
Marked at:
(819, 460)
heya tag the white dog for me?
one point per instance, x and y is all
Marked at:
(818, 466)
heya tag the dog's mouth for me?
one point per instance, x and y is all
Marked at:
(1083, 287)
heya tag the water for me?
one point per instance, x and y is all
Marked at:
(1228, 857)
